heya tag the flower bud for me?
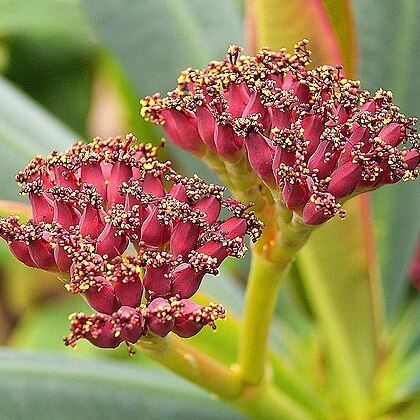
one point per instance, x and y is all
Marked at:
(157, 280)
(110, 243)
(92, 173)
(159, 316)
(211, 207)
(98, 329)
(21, 251)
(42, 254)
(295, 195)
(344, 179)
(206, 126)
(191, 317)
(182, 128)
(260, 155)
(120, 173)
(227, 142)
(153, 232)
(101, 296)
(185, 280)
(128, 324)
(184, 238)
(392, 134)
(125, 273)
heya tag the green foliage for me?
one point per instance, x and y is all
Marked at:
(38, 385)
(389, 39)
(152, 51)
(50, 53)
(43, 17)
(329, 335)
(25, 130)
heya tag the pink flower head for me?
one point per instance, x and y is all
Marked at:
(312, 134)
(94, 200)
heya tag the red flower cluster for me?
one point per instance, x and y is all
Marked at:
(312, 133)
(91, 202)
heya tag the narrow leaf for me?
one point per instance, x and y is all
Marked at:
(344, 296)
(390, 39)
(155, 40)
(281, 23)
(342, 22)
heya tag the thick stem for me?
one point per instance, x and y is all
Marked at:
(271, 260)
(185, 360)
(267, 402)
(188, 362)
(261, 296)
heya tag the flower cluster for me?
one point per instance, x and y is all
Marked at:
(90, 203)
(313, 134)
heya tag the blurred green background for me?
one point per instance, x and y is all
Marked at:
(76, 69)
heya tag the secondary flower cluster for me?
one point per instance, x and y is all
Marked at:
(313, 134)
(94, 200)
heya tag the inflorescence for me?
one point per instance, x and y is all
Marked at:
(90, 203)
(313, 134)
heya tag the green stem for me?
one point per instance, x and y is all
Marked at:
(260, 300)
(223, 382)
(217, 166)
(246, 185)
(271, 260)
(188, 362)
(268, 402)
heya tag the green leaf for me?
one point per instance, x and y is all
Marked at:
(390, 39)
(155, 40)
(43, 326)
(344, 295)
(281, 23)
(222, 343)
(57, 71)
(25, 130)
(341, 18)
(42, 17)
(42, 385)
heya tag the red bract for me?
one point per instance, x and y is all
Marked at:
(91, 202)
(414, 269)
(313, 134)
